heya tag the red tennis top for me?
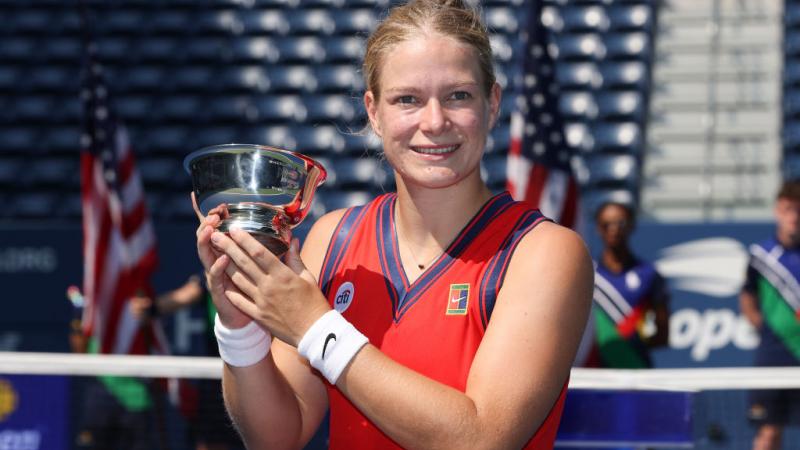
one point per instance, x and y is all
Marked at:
(433, 325)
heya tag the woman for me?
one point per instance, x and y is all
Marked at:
(457, 313)
(631, 298)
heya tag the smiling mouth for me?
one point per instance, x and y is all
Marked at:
(437, 150)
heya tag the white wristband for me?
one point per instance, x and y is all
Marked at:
(330, 344)
(242, 347)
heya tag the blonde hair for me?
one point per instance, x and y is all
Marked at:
(452, 18)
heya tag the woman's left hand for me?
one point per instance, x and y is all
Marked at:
(284, 298)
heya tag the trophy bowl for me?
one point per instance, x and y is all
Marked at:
(265, 191)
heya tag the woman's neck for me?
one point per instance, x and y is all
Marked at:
(617, 259)
(429, 219)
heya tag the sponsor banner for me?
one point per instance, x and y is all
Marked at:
(33, 412)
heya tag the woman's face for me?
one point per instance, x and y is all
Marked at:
(614, 225)
(431, 113)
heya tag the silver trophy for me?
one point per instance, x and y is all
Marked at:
(265, 191)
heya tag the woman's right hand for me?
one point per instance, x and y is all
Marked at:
(214, 264)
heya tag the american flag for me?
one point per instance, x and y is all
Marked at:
(119, 245)
(538, 168)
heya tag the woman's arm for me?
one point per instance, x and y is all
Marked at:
(277, 402)
(519, 369)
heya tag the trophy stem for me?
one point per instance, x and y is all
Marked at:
(263, 223)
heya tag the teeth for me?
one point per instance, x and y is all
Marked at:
(435, 151)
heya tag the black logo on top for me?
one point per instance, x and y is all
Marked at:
(327, 339)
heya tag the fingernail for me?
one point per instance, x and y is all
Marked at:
(215, 237)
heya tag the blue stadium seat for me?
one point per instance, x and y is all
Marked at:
(235, 109)
(159, 50)
(502, 48)
(344, 49)
(791, 103)
(501, 20)
(584, 18)
(53, 78)
(625, 75)
(354, 21)
(579, 47)
(254, 50)
(202, 50)
(499, 140)
(193, 78)
(243, 78)
(358, 142)
(311, 22)
(171, 22)
(578, 75)
(627, 46)
(164, 139)
(621, 171)
(31, 205)
(59, 173)
(493, 171)
(622, 137)
(213, 135)
(17, 48)
(306, 50)
(10, 171)
(112, 49)
(31, 20)
(65, 139)
(578, 105)
(791, 72)
(293, 79)
(791, 16)
(281, 108)
(62, 49)
(12, 78)
(631, 17)
(591, 199)
(339, 78)
(146, 78)
(184, 108)
(123, 21)
(357, 173)
(133, 107)
(627, 105)
(33, 107)
(69, 207)
(331, 199)
(317, 140)
(330, 108)
(160, 172)
(790, 166)
(269, 21)
(280, 136)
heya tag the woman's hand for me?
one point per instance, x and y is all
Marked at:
(215, 263)
(284, 298)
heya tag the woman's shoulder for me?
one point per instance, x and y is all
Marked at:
(549, 241)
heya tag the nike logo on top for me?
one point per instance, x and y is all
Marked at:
(327, 339)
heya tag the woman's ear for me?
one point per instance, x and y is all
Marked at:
(371, 104)
(494, 104)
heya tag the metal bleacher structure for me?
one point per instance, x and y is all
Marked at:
(714, 136)
(186, 74)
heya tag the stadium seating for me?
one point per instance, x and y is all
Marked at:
(185, 74)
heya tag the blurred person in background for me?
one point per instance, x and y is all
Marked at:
(770, 299)
(631, 300)
(454, 288)
(117, 412)
(210, 426)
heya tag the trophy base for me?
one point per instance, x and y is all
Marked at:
(259, 221)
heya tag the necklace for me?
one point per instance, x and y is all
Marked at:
(420, 266)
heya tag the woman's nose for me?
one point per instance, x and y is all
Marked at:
(433, 118)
